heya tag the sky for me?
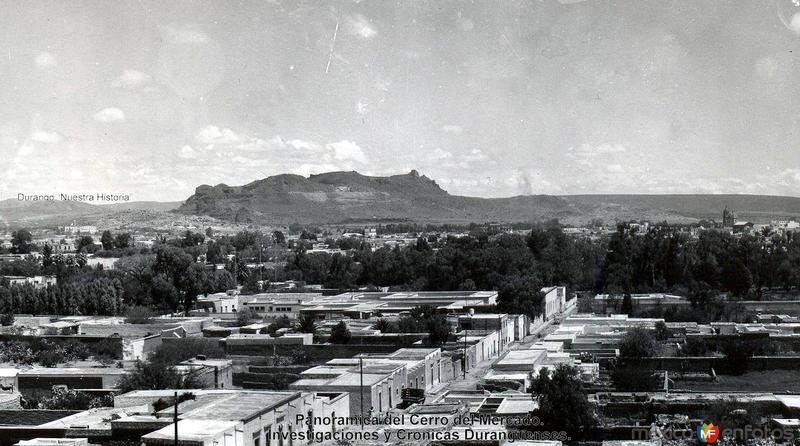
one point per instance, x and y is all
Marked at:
(489, 98)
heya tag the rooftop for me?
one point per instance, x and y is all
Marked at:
(193, 430)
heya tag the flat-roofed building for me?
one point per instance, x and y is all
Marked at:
(363, 305)
(374, 388)
(255, 418)
(612, 303)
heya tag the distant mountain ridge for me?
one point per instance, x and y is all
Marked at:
(14, 212)
(350, 197)
(340, 197)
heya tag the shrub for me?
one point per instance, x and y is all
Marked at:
(638, 342)
(340, 334)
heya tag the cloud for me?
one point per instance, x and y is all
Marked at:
(187, 34)
(615, 168)
(45, 60)
(215, 135)
(110, 114)
(187, 152)
(790, 178)
(131, 79)
(45, 137)
(25, 149)
(347, 151)
(438, 154)
(359, 25)
(452, 128)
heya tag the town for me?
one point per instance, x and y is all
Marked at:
(484, 334)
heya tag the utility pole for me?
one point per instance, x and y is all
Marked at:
(235, 270)
(175, 418)
(361, 373)
(465, 353)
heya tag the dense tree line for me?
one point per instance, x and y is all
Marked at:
(100, 295)
(668, 259)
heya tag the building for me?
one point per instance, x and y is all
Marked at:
(83, 230)
(612, 303)
(372, 385)
(275, 305)
(555, 301)
(40, 380)
(741, 227)
(36, 281)
(209, 373)
(728, 218)
(238, 417)
(363, 305)
(54, 442)
(227, 302)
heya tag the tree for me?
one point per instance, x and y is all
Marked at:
(21, 242)
(69, 399)
(438, 329)
(521, 295)
(340, 334)
(662, 332)
(627, 304)
(85, 244)
(7, 319)
(279, 238)
(384, 326)
(122, 240)
(562, 401)
(107, 240)
(281, 322)
(638, 343)
(244, 316)
(47, 255)
(148, 375)
(736, 278)
(307, 324)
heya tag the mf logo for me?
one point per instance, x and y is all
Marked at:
(707, 433)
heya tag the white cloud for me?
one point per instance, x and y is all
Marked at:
(187, 152)
(361, 26)
(45, 60)
(452, 128)
(615, 168)
(131, 79)
(25, 149)
(215, 135)
(110, 114)
(45, 137)
(347, 151)
(789, 178)
(187, 34)
(439, 154)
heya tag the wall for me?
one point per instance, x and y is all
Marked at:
(317, 352)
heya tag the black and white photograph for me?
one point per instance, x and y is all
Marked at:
(400, 222)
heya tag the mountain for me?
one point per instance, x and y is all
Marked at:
(14, 212)
(342, 197)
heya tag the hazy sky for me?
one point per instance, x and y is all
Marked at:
(489, 98)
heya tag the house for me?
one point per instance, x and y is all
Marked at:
(373, 386)
(240, 417)
(208, 372)
(555, 301)
(741, 227)
(36, 281)
(39, 381)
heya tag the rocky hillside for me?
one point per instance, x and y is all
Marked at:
(339, 197)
